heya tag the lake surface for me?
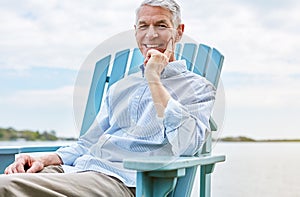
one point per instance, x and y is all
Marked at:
(257, 170)
(34, 143)
(250, 169)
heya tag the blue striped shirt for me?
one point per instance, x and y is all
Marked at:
(128, 126)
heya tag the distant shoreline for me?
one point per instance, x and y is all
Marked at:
(11, 134)
(247, 139)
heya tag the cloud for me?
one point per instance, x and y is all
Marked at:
(260, 41)
(57, 33)
(253, 38)
(35, 99)
(252, 35)
(263, 92)
(40, 110)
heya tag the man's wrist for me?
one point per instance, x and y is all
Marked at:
(153, 78)
(50, 159)
(154, 83)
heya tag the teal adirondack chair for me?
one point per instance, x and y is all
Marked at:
(156, 176)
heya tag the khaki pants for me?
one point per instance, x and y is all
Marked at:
(53, 182)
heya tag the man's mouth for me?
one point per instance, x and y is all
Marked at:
(159, 47)
(152, 45)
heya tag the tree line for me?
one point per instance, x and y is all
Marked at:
(11, 134)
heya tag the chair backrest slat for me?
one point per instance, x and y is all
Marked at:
(119, 66)
(178, 48)
(136, 60)
(201, 59)
(188, 54)
(95, 93)
(214, 66)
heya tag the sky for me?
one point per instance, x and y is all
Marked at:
(44, 43)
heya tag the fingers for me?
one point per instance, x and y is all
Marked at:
(20, 168)
(36, 167)
(169, 49)
(168, 52)
(20, 165)
(7, 170)
(149, 54)
(14, 168)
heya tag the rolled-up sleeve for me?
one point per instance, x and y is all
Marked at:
(185, 125)
(69, 154)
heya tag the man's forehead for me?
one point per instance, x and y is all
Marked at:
(154, 13)
(153, 20)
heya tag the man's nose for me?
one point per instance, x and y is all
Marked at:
(151, 33)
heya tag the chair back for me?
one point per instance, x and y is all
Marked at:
(201, 59)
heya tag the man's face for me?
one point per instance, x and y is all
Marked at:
(154, 29)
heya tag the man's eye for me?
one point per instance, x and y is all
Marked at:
(143, 26)
(162, 26)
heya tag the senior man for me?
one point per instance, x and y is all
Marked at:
(162, 110)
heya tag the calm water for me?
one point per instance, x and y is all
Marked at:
(250, 170)
(34, 143)
(257, 170)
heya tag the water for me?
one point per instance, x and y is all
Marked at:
(34, 143)
(250, 169)
(257, 170)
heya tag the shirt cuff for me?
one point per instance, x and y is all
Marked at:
(69, 154)
(174, 115)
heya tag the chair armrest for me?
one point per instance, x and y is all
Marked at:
(6, 150)
(158, 175)
(163, 163)
(29, 149)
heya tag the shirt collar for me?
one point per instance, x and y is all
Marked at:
(172, 69)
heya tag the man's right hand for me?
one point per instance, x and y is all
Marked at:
(25, 164)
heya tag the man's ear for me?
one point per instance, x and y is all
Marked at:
(135, 30)
(179, 32)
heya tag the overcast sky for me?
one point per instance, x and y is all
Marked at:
(44, 43)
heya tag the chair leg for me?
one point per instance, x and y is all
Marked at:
(157, 184)
(205, 180)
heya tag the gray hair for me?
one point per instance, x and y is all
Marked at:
(170, 5)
